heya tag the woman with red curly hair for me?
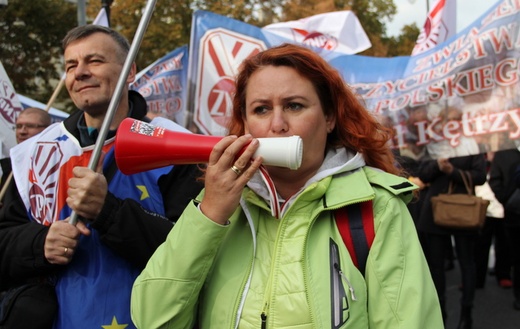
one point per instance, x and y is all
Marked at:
(261, 248)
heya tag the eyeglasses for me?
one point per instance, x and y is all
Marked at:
(19, 126)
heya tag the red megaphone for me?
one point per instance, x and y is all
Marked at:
(141, 146)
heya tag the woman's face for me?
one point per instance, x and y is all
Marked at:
(282, 103)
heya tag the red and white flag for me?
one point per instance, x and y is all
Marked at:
(440, 24)
(338, 31)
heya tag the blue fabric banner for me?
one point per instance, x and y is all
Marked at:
(461, 97)
(164, 86)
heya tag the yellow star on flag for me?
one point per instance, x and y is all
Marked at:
(144, 192)
(115, 325)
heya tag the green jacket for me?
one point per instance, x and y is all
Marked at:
(295, 271)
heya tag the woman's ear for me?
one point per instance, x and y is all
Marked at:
(330, 121)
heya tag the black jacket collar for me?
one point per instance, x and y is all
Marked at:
(75, 123)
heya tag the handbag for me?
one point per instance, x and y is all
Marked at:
(457, 210)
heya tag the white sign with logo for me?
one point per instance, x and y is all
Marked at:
(10, 108)
(221, 52)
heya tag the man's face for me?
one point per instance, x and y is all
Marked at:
(93, 65)
(28, 125)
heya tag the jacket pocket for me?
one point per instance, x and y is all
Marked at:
(339, 295)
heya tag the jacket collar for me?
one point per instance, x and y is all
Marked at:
(336, 162)
(75, 123)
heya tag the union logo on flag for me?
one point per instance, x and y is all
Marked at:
(221, 53)
(439, 26)
(43, 180)
(338, 31)
(319, 40)
(9, 104)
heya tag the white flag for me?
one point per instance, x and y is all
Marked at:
(101, 18)
(440, 25)
(10, 108)
(338, 31)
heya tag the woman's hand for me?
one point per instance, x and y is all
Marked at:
(227, 174)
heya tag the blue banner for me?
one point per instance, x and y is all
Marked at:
(164, 86)
(461, 97)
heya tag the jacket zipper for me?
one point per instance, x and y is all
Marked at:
(344, 277)
(263, 316)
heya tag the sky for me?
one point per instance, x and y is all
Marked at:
(409, 11)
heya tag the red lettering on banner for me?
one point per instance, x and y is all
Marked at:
(501, 38)
(171, 84)
(452, 49)
(506, 72)
(436, 91)
(485, 79)
(504, 9)
(166, 107)
(438, 130)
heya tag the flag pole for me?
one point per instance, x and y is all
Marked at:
(55, 93)
(114, 102)
(4, 188)
(106, 4)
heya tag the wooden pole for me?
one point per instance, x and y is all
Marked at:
(55, 93)
(4, 188)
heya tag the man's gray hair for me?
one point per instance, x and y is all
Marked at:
(84, 31)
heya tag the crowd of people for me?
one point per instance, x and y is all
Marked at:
(492, 177)
(233, 243)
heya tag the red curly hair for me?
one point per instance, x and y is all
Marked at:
(356, 129)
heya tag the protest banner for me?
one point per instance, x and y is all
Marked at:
(460, 97)
(164, 86)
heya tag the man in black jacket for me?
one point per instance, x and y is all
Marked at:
(123, 218)
(502, 180)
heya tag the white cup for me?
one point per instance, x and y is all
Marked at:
(281, 151)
